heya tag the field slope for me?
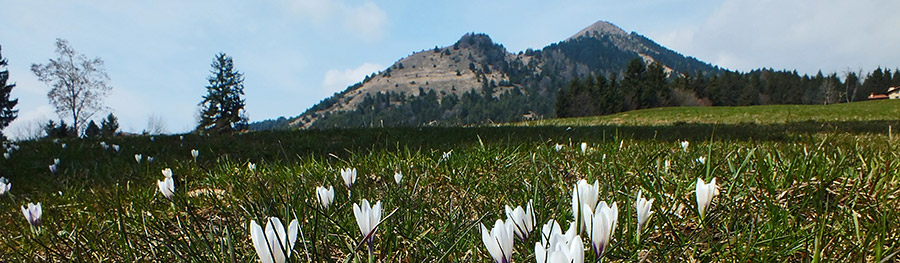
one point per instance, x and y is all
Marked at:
(817, 184)
(879, 110)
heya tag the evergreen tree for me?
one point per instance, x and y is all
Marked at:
(60, 131)
(875, 83)
(634, 85)
(92, 130)
(109, 126)
(656, 86)
(7, 114)
(896, 80)
(562, 101)
(222, 108)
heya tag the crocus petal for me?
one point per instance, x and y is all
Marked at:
(260, 243)
(293, 228)
(329, 195)
(492, 245)
(506, 240)
(374, 219)
(540, 253)
(576, 250)
(27, 214)
(274, 235)
(361, 219)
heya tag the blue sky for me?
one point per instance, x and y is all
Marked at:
(296, 52)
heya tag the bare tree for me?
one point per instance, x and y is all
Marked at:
(78, 83)
(31, 130)
(155, 125)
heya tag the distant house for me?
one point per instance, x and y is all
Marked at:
(873, 96)
(893, 93)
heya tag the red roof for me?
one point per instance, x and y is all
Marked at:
(878, 97)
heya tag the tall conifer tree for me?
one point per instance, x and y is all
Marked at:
(7, 114)
(222, 108)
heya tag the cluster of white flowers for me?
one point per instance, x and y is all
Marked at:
(598, 219)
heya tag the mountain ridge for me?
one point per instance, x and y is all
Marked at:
(477, 66)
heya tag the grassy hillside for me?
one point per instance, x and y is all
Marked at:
(803, 190)
(879, 110)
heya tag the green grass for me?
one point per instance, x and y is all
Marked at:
(879, 110)
(809, 190)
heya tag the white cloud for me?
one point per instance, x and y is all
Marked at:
(338, 80)
(830, 35)
(366, 20)
(316, 10)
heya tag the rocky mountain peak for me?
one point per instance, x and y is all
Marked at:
(600, 28)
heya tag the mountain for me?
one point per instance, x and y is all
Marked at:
(476, 80)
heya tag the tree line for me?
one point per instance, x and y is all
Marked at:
(649, 85)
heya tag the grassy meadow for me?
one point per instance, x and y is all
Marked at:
(820, 185)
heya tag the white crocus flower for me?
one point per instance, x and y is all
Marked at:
(397, 177)
(167, 172)
(523, 220)
(499, 241)
(368, 217)
(584, 147)
(104, 145)
(33, 214)
(149, 159)
(349, 176)
(549, 229)
(53, 168)
(166, 187)
(701, 160)
(642, 206)
(138, 158)
(116, 147)
(251, 166)
(558, 147)
(56, 161)
(6, 155)
(5, 185)
(601, 225)
(552, 228)
(274, 245)
(705, 193)
(584, 194)
(684, 145)
(556, 247)
(63, 145)
(326, 196)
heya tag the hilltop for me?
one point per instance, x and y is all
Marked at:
(476, 80)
